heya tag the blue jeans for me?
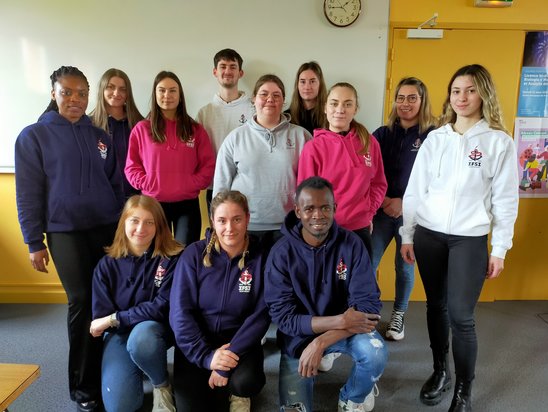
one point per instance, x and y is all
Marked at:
(369, 354)
(385, 228)
(126, 356)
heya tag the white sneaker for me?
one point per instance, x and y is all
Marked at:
(369, 401)
(327, 361)
(350, 406)
(396, 329)
(162, 400)
(367, 406)
(238, 404)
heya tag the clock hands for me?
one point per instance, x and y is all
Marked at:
(340, 6)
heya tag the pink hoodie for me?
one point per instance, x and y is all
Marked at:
(171, 171)
(358, 180)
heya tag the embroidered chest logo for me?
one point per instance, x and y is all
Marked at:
(289, 144)
(190, 142)
(244, 282)
(342, 270)
(475, 157)
(242, 119)
(367, 159)
(159, 276)
(103, 149)
(416, 145)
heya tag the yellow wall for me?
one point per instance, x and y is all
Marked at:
(524, 274)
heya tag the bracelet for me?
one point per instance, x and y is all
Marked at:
(114, 322)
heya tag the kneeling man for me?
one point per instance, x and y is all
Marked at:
(322, 294)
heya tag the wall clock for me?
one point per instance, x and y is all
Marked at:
(342, 13)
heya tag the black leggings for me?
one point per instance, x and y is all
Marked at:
(453, 270)
(75, 255)
(185, 218)
(193, 394)
(365, 236)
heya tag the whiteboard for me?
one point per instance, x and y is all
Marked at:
(143, 37)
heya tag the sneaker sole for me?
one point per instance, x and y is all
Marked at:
(394, 336)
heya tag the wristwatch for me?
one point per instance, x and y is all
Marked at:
(114, 323)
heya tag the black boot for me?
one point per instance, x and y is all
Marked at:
(438, 383)
(462, 399)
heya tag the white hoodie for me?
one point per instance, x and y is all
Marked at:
(464, 185)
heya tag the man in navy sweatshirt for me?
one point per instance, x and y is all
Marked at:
(322, 294)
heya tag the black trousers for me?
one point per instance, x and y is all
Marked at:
(193, 394)
(185, 218)
(365, 236)
(75, 255)
(453, 270)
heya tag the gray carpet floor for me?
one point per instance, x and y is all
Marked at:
(511, 374)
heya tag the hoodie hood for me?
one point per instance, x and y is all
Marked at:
(53, 117)
(271, 135)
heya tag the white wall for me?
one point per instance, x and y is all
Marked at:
(143, 37)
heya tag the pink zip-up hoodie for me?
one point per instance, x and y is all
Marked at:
(358, 180)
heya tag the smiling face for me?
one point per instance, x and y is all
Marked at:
(408, 111)
(230, 224)
(465, 99)
(115, 93)
(71, 95)
(309, 87)
(316, 209)
(228, 73)
(140, 229)
(341, 107)
(269, 101)
(168, 96)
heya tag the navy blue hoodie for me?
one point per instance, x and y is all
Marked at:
(219, 304)
(119, 131)
(399, 149)
(302, 281)
(136, 287)
(66, 178)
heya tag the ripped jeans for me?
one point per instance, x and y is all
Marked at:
(369, 354)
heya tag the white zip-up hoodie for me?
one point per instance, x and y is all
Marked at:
(464, 185)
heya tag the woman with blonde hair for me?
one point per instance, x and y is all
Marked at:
(409, 123)
(116, 113)
(309, 96)
(131, 287)
(350, 158)
(218, 313)
(464, 184)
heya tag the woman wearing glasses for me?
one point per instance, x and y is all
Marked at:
(408, 124)
(69, 187)
(260, 159)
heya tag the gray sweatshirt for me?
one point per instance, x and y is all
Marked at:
(262, 164)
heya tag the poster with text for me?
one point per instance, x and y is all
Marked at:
(533, 90)
(531, 140)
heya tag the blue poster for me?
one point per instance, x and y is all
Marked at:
(533, 91)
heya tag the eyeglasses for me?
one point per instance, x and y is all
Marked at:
(412, 98)
(275, 96)
(69, 92)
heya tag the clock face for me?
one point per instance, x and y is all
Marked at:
(342, 13)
